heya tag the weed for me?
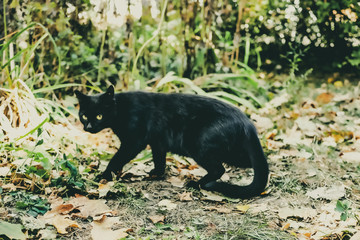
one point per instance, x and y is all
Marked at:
(344, 207)
(32, 204)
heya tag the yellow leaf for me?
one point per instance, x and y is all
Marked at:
(286, 226)
(61, 223)
(324, 98)
(243, 208)
(157, 218)
(330, 79)
(338, 84)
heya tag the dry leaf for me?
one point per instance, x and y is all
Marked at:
(198, 172)
(353, 157)
(167, 204)
(157, 218)
(286, 226)
(88, 208)
(219, 209)
(356, 236)
(242, 208)
(4, 171)
(185, 196)
(338, 84)
(46, 234)
(61, 223)
(102, 229)
(63, 208)
(9, 186)
(105, 188)
(303, 213)
(324, 98)
(211, 196)
(329, 193)
(176, 182)
(262, 123)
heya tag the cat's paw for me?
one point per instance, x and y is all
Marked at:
(156, 175)
(193, 184)
(103, 176)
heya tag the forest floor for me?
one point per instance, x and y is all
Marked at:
(311, 137)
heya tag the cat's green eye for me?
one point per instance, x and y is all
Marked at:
(99, 117)
(84, 117)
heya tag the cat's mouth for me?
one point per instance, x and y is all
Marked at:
(91, 130)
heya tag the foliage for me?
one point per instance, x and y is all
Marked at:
(195, 38)
(32, 204)
(346, 211)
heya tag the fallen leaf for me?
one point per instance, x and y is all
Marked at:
(31, 223)
(4, 171)
(356, 236)
(176, 182)
(12, 230)
(198, 172)
(242, 208)
(47, 234)
(324, 98)
(262, 123)
(308, 235)
(185, 196)
(103, 229)
(338, 84)
(329, 193)
(211, 196)
(63, 208)
(61, 223)
(285, 226)
(303, 213)
(11, 187)
(353, 157)
(308, 127)
(105, 188)
(157, 218)
(225, 177)
(88, 207)
(167, 204)
(219, 209)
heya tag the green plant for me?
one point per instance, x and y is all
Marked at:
(344, 207)
(32, 204)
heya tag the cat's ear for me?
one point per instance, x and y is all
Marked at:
(80, 96)
(110, 91)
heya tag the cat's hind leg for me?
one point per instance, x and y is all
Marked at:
(214, 169)
(159, 158)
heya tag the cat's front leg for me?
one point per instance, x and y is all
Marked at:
(125, 154)
(159, 158)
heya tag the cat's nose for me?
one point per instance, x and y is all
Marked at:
(88, 126)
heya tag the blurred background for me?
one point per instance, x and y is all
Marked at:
(244, 52)
(98, 42)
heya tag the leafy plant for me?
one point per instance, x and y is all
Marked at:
(32, 204)
(344, 207)
(72, 179)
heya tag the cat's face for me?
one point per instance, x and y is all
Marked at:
(96, 112)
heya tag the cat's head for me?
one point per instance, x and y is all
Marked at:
(96, 112)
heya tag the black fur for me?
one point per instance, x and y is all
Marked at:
(207, 130)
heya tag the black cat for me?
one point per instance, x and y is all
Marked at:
(205, 129)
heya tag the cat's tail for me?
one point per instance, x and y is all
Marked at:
(261, 173)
